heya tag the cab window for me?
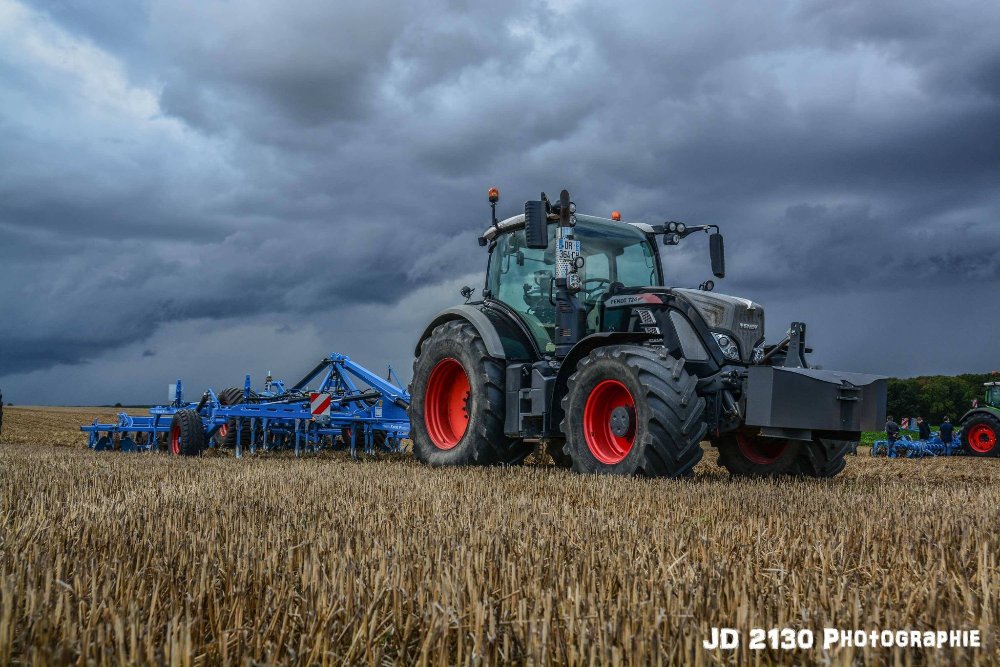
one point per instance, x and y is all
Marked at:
(521, 277)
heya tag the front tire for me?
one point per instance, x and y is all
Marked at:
(981, 435)
(458, 402)
(745, 455)
(633, 410)
(823, 457)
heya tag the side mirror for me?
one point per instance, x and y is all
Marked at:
(536, 232)
(718, 250)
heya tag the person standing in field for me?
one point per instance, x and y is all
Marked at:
(891, 433)
(946, 430)
(923, 428)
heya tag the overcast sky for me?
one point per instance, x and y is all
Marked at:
(203, 189)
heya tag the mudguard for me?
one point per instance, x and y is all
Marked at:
(982, 409)
(473, 316)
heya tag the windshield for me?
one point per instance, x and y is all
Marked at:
(614, 252)
(523, 277)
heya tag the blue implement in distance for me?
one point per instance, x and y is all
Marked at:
(906, 447)
(338, 404)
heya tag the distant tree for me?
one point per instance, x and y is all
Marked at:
(935, 396)
(118, 405)
(904, 398)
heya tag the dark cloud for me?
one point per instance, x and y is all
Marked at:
(274, 180)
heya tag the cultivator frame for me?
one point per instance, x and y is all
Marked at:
(370, 414)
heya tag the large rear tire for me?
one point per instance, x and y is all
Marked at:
(457, 402)
(187, 437)
(981, 435)
(746, 455)
(823, 457)
(633, 410)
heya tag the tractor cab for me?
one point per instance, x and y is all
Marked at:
(992, 394)
(615, 255)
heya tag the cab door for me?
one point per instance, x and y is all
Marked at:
(522, 278)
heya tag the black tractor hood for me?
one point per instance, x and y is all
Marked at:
(741, 319)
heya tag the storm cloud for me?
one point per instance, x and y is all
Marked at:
(204, 189)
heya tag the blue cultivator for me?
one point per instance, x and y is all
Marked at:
(349, 406)
(912, 449)
(136, 433)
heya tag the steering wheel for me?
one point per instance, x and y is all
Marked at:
(599, 281)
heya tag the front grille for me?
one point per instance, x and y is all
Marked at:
(750, 334)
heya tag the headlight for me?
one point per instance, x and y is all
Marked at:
(758, 354)
(726, 344)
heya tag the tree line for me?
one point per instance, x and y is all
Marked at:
(935, 397)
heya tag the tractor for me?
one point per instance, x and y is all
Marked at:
(980, 426)
(577, 348)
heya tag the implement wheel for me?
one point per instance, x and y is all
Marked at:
(746, 455)
(632, 410)
(378, 438)
(980, 435)
(187, 437)
(225, 436)
(457, 409)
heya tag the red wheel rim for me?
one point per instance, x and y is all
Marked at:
(982, 438)
(446, 409)
(762, 451)
(175, 440)
(603, 443)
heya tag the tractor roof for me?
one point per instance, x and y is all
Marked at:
(516, 222)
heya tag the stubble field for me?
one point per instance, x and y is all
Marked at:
(145, 559)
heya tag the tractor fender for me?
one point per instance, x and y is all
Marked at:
(982, 409)
(475, 317)
(585, 346)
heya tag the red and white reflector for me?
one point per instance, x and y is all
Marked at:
(319, 404)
